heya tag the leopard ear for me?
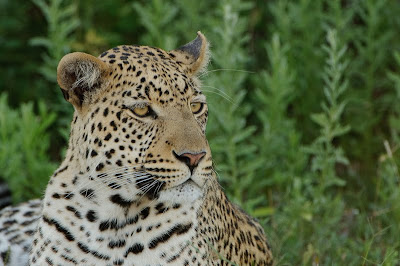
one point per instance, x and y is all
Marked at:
(80, 75)
(193, 56)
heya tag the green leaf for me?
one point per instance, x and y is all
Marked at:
(321, 119)
(263, 211)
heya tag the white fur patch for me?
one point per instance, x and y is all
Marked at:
(87, 74)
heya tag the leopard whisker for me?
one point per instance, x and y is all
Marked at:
(148, 188)
(134, 175)
(131, 174)
(95, 178)
(222, 93)
(225, 69)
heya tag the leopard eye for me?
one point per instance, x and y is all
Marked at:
(196, 107)
(141, 111)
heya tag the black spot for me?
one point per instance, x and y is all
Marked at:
(49, 261)
(74, 211)
(118, 262)
(135, 249)
(60, 171)
(8, 223)
(144, 213)
(59, 228)
(99, 167)
(117, 199)
(161, 208)
(87, 193)
(112, 123)
(176, 206)
(28, 222)
(29, 214)
(108, 136)
(114, 185)
(108, 154)
(104, 225)
(149, 186)
(93, 153)
(85, 249)
(68, 195)
(91, 216)
(119, 115)
(177, 229)
(117, 244)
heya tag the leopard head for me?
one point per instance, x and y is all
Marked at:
(140, 119)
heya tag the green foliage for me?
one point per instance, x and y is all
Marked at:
(24, 143)
(320, 211)
(61, 23)
(280, 139)
(227, 126)
(304, 119)
(156, 18)
(326, 155)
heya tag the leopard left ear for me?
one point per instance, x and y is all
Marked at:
(81, 75)
(193, 56)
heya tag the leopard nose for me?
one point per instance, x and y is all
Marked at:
(190, 159)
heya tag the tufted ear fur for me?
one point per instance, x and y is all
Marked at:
(194, 56)
(79, 76)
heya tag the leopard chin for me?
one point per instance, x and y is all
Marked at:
(186, 193)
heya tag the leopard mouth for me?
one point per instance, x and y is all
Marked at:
(189, 181)
(151, 184)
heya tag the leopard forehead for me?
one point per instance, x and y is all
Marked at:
(150, 74)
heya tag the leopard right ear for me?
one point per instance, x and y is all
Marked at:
(79, 75)
(193, 56)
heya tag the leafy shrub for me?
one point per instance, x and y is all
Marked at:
(24, 143)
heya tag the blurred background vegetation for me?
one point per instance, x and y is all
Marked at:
(303, 96)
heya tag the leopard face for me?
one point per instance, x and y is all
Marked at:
(141, 126)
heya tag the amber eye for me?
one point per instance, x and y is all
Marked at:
(141, 111)
(196, 107)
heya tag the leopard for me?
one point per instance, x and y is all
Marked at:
(137, 185)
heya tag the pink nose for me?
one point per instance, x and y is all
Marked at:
(190, 159)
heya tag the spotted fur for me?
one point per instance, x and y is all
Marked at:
(137, 185)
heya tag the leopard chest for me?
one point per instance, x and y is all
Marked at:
(155, 232)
